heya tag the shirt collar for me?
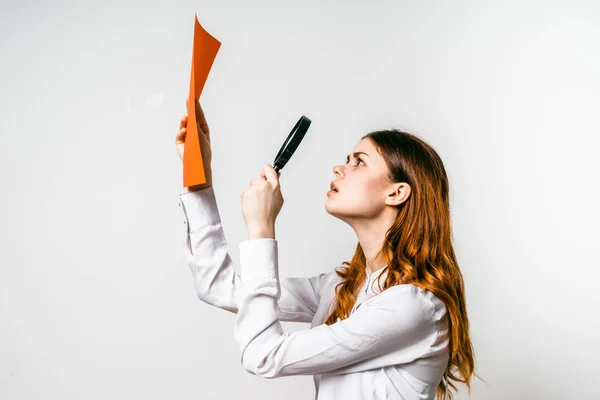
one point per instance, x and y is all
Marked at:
(375, 272)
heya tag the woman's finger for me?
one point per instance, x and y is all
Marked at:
(181, 135)
(183, 122)
(269, 173)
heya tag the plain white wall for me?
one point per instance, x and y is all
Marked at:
(96, 300)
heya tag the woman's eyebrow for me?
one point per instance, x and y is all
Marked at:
(356, 154)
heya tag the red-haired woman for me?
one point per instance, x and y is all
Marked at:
(390, 324)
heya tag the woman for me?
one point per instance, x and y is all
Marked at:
(391, 324)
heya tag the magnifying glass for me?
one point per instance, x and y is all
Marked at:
(291, 143)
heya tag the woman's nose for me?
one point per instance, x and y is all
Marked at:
(337, 170)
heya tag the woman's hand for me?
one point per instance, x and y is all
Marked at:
(261, 203)
(204, 136)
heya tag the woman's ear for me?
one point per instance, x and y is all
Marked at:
(401, 192)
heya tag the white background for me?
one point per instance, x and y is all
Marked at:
(96, 300)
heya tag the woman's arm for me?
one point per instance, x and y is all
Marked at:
(395, 327)
(216, 281)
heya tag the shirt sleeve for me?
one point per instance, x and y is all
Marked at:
(215, 279)
(395, 327)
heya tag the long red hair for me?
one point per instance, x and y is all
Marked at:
(418, 247)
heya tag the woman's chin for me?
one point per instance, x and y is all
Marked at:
(329, 208)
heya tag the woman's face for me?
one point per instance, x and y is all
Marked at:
(362, 185)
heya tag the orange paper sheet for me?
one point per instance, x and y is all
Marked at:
(204, 51)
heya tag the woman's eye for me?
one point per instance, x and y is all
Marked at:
(357, 161)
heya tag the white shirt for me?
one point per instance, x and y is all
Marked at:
(394, 344)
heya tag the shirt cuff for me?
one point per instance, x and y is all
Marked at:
(259, 259)
(199, 208)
